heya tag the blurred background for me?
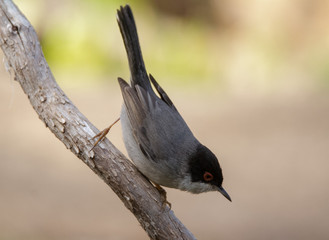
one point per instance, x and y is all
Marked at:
(251, 78)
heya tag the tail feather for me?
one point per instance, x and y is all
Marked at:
(129, 34)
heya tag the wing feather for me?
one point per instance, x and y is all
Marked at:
(137, 109)
(157, 127)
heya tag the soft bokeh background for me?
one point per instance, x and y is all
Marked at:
(251, 79)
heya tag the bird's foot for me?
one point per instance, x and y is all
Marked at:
(163, 195)
(102, 134)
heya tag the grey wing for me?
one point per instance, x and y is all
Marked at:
(157, 127)
(137, 114)
(162, 93)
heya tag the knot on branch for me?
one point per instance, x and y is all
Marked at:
(13, 28)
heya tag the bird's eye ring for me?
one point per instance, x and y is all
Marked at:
(207, 176)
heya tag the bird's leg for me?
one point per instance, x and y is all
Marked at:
(163, 195)
(101, 135)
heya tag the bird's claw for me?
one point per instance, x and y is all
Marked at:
(163, 195)
(102, 134)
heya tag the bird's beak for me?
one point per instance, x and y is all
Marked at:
(225, 194)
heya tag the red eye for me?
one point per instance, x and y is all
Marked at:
(207, 176)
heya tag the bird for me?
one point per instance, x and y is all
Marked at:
(156, 137)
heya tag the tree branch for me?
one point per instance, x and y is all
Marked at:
(24, 56)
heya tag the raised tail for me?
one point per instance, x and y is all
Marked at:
(129, 34)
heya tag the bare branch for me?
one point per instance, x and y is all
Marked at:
(24, 56)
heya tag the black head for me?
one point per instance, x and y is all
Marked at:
(204, 168)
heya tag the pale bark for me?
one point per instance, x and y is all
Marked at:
(24, 58)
